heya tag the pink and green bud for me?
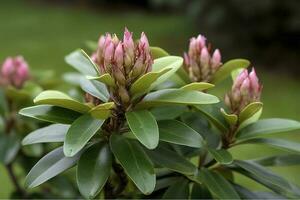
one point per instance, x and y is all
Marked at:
(245, 90)
(14, 71)
(199, 63)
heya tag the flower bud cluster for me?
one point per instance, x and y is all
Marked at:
(199, 63)
(124, 60)
(245, 90)
(14, 71)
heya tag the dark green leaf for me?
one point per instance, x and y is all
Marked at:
(179, 190)
(200, 192)
(49, 166)
(267, 126)
(279, 160)
(168, 112)
(95, 88)
(9, 147)
(93, 169)
(221, 155)
(52, 133)
(3, 103)
(135, 161)
(80, 132)
(52, 114)
(176, 132)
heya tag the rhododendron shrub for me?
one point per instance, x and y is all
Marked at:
(147, 126)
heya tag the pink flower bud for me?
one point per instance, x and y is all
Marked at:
(245, 86)
(143, 43)
(239, 80)
(216, 60)
(204, 57)
(254, 81)
(118, 57)
(201, 41)
(108, 55)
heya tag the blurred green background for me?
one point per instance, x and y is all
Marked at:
(266, 32)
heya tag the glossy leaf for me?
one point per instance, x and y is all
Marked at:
(80, 132)
(102, 111)
(95, 88)
(51, 133)
(60, 99)
(144, 126)
(168, 112)
(179, 190)
(249, 111)
(158, 52)
(135, 162)
(9, 147)
(52, 114)
(82, 63)
(267, 126)
(226, 69)
(176, 132)
(230, 118)
(104, 78)
(49, 166)
(221, 155)
(93, 169)
(177, 97)
(164, 157)
(279, 160)
(198, 86)
(216, 184)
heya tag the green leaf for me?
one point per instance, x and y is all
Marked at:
(176, 132)
(9, 147)
(213, 113)
(198, 86)
(104, 78)
(251, 120)
(230, 118)
(177, 97)
(143, 125)
(82, 63)
(60, 99)
(73, 78)
(221, 155)
(179, 190)
(226, 69)
(50, 114)
(268, 178)
(143, 84)
(158, 52)
(290, 146)
(52, 133)
(267, 126)
(80, 132)
(164, 182)
(93, 170)
(3, 103)
(170, 62)
(216, 184)
(95, 88)
(102, 111)
(200, 192)
(279, 160)
(249, 111)
(49, 166)
(168, 112)
(169, 159)
(135, 162)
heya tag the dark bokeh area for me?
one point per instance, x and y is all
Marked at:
(267, 32)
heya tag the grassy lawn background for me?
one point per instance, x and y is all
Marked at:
(44, 35)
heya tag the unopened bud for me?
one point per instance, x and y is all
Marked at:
(123, 94)
(118, 57)
(216, 60)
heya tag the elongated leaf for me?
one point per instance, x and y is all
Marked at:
(104, 78)
(81, 62)
(245, 193)
(135, 161)
(179, 190)
(290, 146)
(80, 132)
(198, 86)
(94, 169)
(60, 99)
(158, 52)
(216, 184)
(221, 155)
(200, 192)
(143, 125)
(49, 166)
(177, 97)
(267, 126)
(52, 114)
(165, 182)
(95, 88)
(268, 178)
(142, 85)
(168, 112)
(176, 132)
(52, 133)
(9, 147)
(213, 113)
(226, 69)
(171, 62)
(251, 120)
(249, 111)
(279, 160)
(169, 159)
